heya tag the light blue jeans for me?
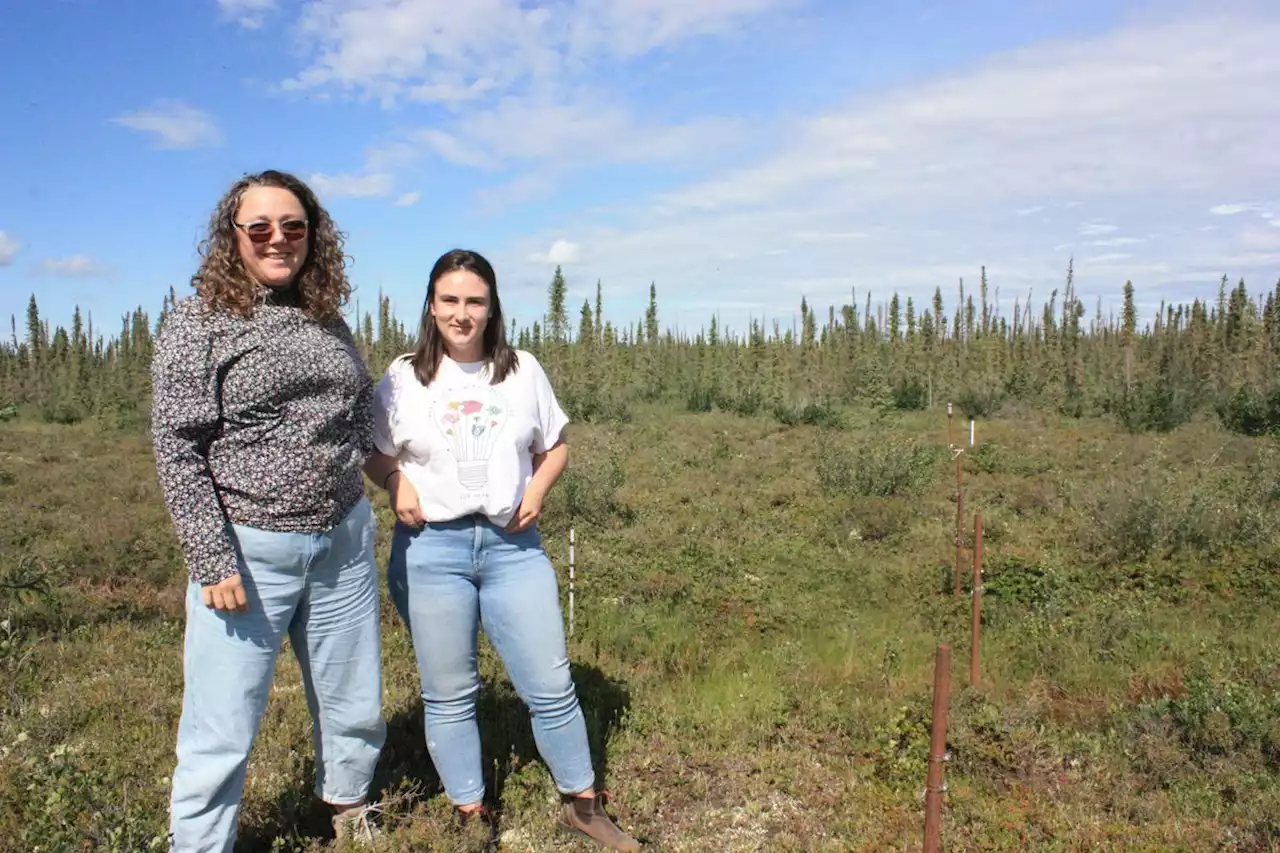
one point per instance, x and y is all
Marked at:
(321, 589)
(447, 579)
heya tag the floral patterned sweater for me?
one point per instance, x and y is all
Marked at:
(263, 422)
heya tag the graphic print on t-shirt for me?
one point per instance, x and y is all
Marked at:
(471, 418)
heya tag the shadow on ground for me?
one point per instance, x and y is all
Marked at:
(507, 744)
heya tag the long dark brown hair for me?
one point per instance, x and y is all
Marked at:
(499, 356)
(321, 286)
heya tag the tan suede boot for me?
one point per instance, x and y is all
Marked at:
(586, 815)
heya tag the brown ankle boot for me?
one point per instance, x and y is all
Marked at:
(479, 825)
(587, 816)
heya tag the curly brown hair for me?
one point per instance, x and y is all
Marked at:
(321, 285)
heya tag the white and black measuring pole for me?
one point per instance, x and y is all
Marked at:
(571, 544)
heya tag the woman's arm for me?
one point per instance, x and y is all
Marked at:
(385, 471)
(379, 467)
(547, 468)
(184, 419)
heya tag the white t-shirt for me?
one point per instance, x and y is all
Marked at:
(465, 445)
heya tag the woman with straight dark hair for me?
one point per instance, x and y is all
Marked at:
(479, 440)
(261, 422)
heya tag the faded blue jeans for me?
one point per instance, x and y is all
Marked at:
(322, 590)
(447, 579)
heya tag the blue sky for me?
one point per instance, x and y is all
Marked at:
(741, 154)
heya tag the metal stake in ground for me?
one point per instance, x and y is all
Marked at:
(976, 637)
(571, 544)
(959, 454)
(937, 750)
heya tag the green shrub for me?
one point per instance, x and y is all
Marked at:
(980, 401)
(1155, 406)
(878, 468)
(811, 414)
(1249, 412)
(910, 394)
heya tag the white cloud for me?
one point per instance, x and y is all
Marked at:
(175, 124)
(1077, 116)
(906, 188)
(350, 185)
(77, 266)
(517, 80)
(8, 248)
(452, 53)
(1117, 241)
(829, 236)
(407, 199)
(1106, 258)
(250, 14)
(561, 252)
(528, 187)
(555, 137)
(1232, 209)
(940, 163)
(450, 148)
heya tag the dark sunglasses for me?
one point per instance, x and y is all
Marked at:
(259, 231)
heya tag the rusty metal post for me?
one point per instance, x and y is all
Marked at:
(959, 518)
(976, 638)
(937, 750)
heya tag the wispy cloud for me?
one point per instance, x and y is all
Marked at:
(250, 14)
(1233, 209)
(1092, 229)
(76, 266)
(8, 248)
(447, 52)
(351, 185)
(1117, 241)
(1106, 258)
(517, 81)
(555, 138)
(942, 161)
(1078, 117)
(407, 199)
(175, 124)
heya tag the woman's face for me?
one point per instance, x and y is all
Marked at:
(460, 309)
(271, 232)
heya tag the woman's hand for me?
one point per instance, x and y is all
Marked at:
(404, 499)
(528, 511)
(227, 594)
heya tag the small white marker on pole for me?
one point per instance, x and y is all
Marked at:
(971, 432)
(571, 544)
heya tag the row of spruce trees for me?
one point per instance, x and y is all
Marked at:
(1218, 357)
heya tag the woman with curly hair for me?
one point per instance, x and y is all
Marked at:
(261, 424)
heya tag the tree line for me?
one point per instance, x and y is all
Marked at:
(1214, 356)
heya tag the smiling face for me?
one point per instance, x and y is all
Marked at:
(271, 233)
(460, 310)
